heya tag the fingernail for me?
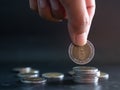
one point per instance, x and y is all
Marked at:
(42, 3)
(81, 39)
(54, 4)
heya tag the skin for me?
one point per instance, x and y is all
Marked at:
(79, 14)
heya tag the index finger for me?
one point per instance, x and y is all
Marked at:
(79, 21)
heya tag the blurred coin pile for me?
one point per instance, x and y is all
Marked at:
(79, 74)
(29, 75)
(86, 74)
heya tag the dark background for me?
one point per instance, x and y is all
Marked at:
(26, 38)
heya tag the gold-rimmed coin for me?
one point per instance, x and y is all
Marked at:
(34, 80)
(53, 76)
(81, 54)
(104, 75)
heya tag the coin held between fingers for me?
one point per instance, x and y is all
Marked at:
(81, 54)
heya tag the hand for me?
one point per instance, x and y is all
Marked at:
(79, 13)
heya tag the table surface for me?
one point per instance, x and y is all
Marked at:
(8, 80)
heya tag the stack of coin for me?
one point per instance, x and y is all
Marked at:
(27, 72)
(29, 75)
(84, 74)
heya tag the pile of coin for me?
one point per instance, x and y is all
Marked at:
(86, 74)
(24, 72)
(79, 74)
(29, 75)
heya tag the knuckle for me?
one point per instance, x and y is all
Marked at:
(84, 21)
(78, 25)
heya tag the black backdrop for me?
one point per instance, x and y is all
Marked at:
(25, 37)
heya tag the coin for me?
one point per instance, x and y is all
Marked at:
(78, 79)
(22, 69)
(81, 54)
(84, 70)
(104, 75)
(34, 71)
(25, 75)
(34, 80)
(53, 76)
(71, 73)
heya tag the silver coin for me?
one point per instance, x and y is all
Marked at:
(85, 81)
(85, 70)
(71, 73)
(85, 76)
(22, 69)
(81, 54)
(78, 79)
(104, 75)
(26, 75)
(53, 76)
(89, 75)
(32, 71)
(34, 80)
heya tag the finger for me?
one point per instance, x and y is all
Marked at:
(57, 9)
(91, 8)
(44, 10)
(33, 4)
(78, 20)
